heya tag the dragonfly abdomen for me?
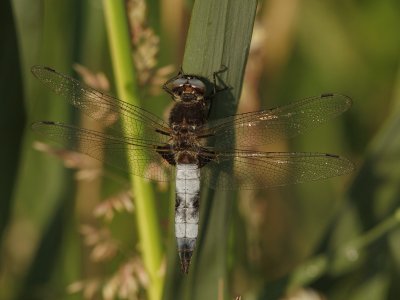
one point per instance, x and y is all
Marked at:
(187, 211)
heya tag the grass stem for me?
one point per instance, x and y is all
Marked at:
(125, 80)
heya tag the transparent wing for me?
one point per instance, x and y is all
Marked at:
(252, 170)
(137, 156)
(267, 126)
(102, 107)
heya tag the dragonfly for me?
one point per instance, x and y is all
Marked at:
(192, 150)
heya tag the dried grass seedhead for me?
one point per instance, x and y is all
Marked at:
(99, 82)
(127, 282)
(89, 288)
(104, 247)
(304, 294)
(146, 47)
(130, 278)
(116, 203)
(71, 160)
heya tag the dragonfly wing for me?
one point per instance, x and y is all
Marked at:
(252, 170)
(102, 107)
(268, 126)
(137, 156)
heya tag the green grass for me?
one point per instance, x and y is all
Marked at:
(125, 78)
(219, 35)
(257, 245)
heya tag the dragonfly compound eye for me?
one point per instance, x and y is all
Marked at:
(197, 84)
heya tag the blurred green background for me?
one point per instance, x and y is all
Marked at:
(337, 238)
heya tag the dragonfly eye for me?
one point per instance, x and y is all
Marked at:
(197, 84)
(188, 88)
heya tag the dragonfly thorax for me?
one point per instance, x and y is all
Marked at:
(183, 128)
(188, 116)
(184, 137)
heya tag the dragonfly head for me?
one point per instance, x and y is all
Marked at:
(188, 89)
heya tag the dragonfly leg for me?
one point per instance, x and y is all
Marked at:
(216, 78)
(165, 85)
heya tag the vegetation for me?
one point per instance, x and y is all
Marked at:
(73, 234)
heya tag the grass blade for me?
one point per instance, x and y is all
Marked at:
(125, 78)
(219, 35)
